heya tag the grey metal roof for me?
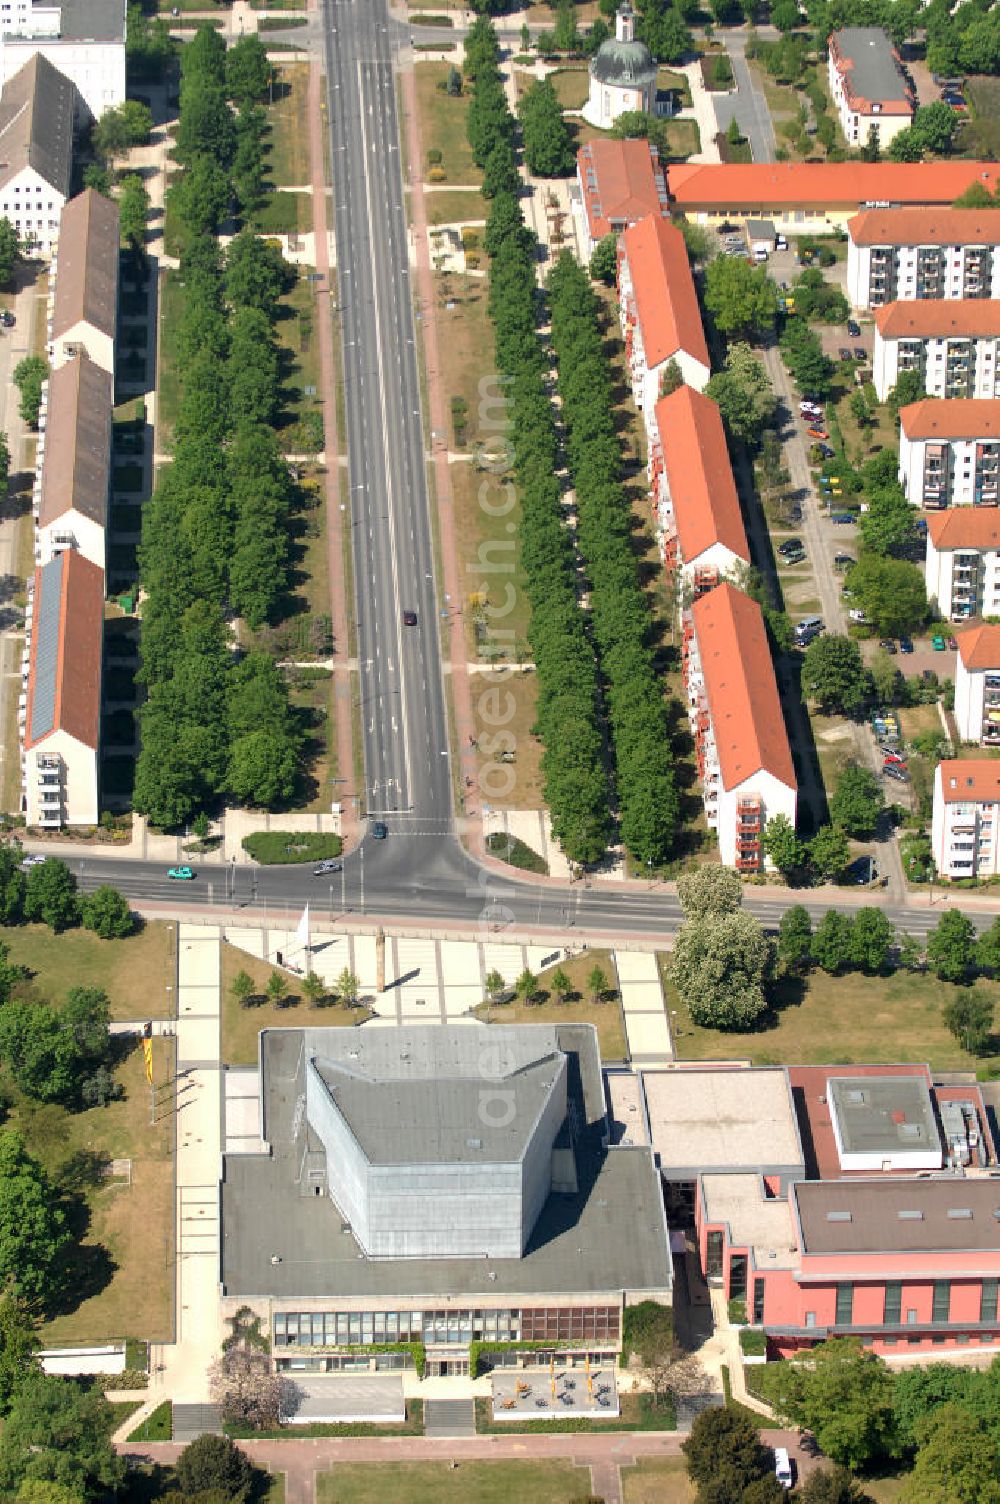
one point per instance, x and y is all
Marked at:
(607, 1236)
(628, 64)
(899, 1215)
(875, 73)
(883, 1114)
(48, 610)
(36, 124)
(92, 20)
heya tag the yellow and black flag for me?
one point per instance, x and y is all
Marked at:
(147, 1051)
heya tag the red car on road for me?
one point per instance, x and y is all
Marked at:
(818, 433)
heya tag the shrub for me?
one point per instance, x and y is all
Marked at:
(282, 847)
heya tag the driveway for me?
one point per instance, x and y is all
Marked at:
(747, 104)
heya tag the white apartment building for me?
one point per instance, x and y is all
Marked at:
(36, 151)
(953, 346)
(744, 759)
(870, 91)
(965, 821)
(977, 685)
(60, 708)
(658, 304)
(949, 452)
(962, 563)
(83, 287)
(699, 523)
(901, 255)
(73, 468)
(84, 39)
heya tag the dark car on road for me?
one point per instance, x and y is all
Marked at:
(409, 618)
(379, 830)
(853, 328)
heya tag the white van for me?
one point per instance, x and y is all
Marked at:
(783, 1467)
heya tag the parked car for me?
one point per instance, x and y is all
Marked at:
(843, 561)
(953, 644)
(899, 775)
(826, 451)
(34, 860)
(859, 353)
(888, 645)
(906, 645)
(937, 643)
(325, 868)
(857, 615)
(180, 874)
(862, 871)
(818, 433)
(895, 759)
(795, 512)
(853, 328)
(844, 353)
(7, 319)
(810, 410)
(790, 546)
(798, 557)
(842, 519)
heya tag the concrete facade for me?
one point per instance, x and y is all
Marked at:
(949, 453)
(965, 823)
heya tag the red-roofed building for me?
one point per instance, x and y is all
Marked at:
(744, 760)
(661, 319)
(62, 704)
(698, 518)
(962, 563)
(922, 253)
(977, 685)
(619, 182)
(954, 346)
(966, 818)
(817, 198)
(949, 452)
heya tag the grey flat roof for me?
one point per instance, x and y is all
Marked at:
(610, 1235)
(718, 1119)
(91, 20)
(883, 1113)
(875, 73)
(899, 1215)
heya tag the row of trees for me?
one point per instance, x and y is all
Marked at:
(647, 794)
(215, 532)
(944, 1417)
(575, 783)
(548, 146)
(47, 894)
(728, 1464)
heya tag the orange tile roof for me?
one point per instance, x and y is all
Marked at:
(742, 692)
(939, 318)
(665, 299)
(925, 227)
(969, 779)
(979, 647)
(951, 418)
(965, 527)
(733, 187)
(700, 477)
(77, 640)
(622, 182)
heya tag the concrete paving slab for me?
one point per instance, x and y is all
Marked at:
(636, 966)
(460, 963)
(648, 1038)
(198, 1038)
(449, 1418)
(508, 960)
(343, 1399)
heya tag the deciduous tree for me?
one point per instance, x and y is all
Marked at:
(50, 895)
(857, 801)
(720, 965)
(969, 1016)
(58, 1432)
(843, 1394)
(33, 1232)
(951, 946)
(709, 891)
(107, 913)
(833, 674)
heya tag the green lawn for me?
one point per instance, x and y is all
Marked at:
(454, 206)
(442, 125)
(605, 1016)
(849, 1019)
(241, 1026)
(285, 214)
(666, 78)
(288, 153)
(122, 1278)
(296, 335)
(657, 1480)
(482, 1482)
(572, 86)
(134, 973)
(981, 136)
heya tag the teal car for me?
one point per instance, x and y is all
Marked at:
(180, 874)
(937, 643)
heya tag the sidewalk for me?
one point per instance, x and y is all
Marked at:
(644, 1010)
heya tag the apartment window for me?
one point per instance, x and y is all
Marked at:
(758, 1302)
(810, 1318)
(988, 1300)
(893, 1303)
(845, 1304)
(941, 1303)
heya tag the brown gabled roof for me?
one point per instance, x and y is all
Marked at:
(979, 647)
(969, 779)
(665, 299)
(939, 318)
(67, 639)
(740, 686)
(622, 182)
(731, 187)
(898, 1215)
(925, 227)
(965, 527)
(951, 418)
(37, 107)
(77, 467)
(87, 265)
(699, 475)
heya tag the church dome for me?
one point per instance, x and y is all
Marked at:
(628, 64)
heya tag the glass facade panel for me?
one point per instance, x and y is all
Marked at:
(942, 1300)
(893, 1303)
(570, 1325)
(988, 1300)
(845, 1304)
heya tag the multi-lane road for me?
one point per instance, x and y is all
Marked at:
(419, 874)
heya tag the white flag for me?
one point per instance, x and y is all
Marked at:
(302, 933)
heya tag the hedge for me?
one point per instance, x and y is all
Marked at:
(276, 848)
(753, 1342)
